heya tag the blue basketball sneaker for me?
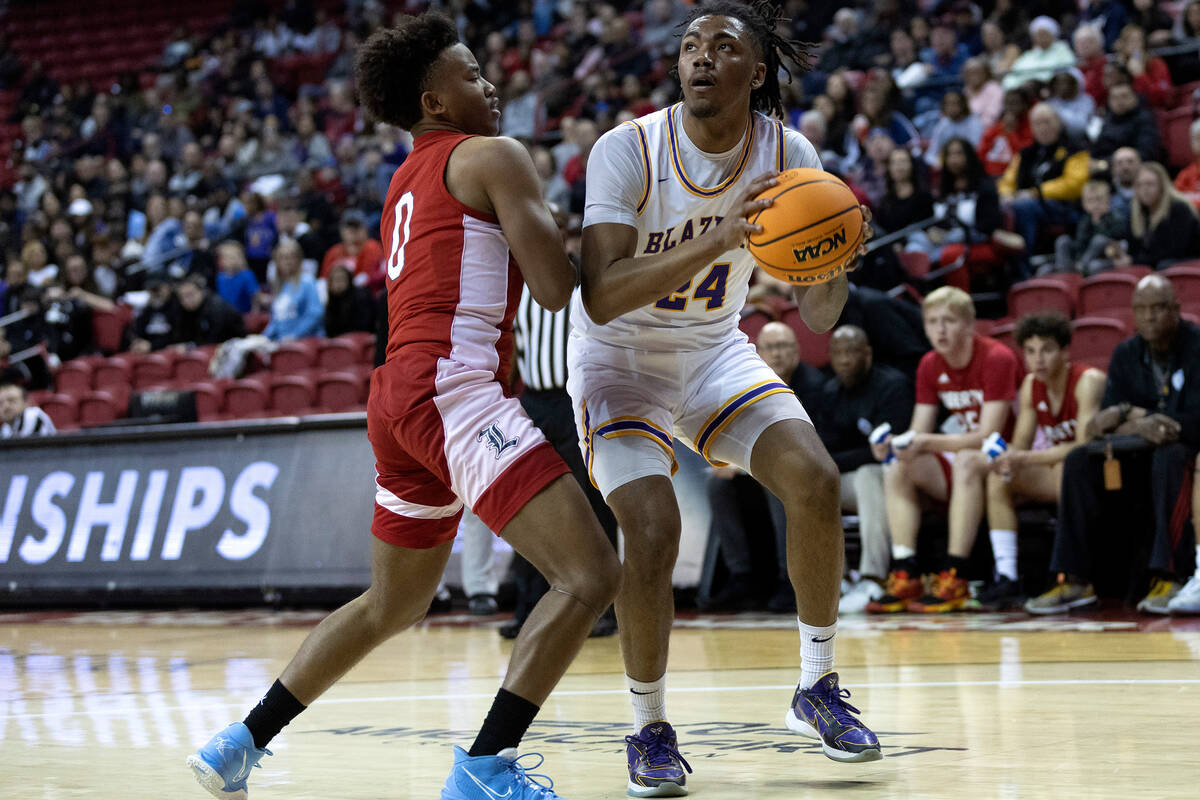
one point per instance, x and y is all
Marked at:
(497, 777)
(223, 765)
(823, 713)
(656, 769)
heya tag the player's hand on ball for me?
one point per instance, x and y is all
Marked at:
(734, 229)
(867, 233)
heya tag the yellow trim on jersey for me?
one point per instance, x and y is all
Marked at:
(646, 178)
(681, 173)
(731, 408)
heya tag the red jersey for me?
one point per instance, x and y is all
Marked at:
(992, 374)
(1057, 428)
(452, 284)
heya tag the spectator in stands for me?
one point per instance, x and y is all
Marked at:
(1151, 404)
(1045, 180)
(291, 224)
(204, 318)
(161, 231)
(296, 310)
(878, 112)
(16, 278)
(1188, 179)
(869, 173)
(848, 47)
(998, 52)
(968, 203)
(155, 324)
(349, 307)
(945, 58)
(1073, 105)
(956, 122)
(905, 199)
(1163, 225)
(310, 148)
(1108, 16)
(38, 268)
(839, 106)
(984, 94)
(861, 396)
(1153, 20)
(1057, 399)
(356, 251)
(79, 284)
(236, 284)
(1185, 67)
(1009, 135)
(18, 419)
(975, 379)
(66, 321)
(1090, 59)
(1151, 78)
(195, 255)
(1086, 250)
(780, 350)
(261, 234)
(1124, 166)
(814, 127)
(1127, 122)
(1047, 55)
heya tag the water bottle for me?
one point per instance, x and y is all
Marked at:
(878, 435)
(994, 446)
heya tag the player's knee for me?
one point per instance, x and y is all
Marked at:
(812, 483)
(386, 616)
(969, 466)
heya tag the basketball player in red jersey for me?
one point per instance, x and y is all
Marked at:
(1057, 399)
(461, 213)
(974, 378)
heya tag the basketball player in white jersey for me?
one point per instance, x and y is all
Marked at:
(656, 354)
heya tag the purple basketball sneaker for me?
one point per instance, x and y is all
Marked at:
(823, 713)
(656, 769)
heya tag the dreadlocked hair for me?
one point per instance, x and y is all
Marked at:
(393, 65)
(761, 18)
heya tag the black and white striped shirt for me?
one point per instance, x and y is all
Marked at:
(541, 343)
(30, 422)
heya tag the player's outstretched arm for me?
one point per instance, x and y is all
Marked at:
(507, 174)
(822, 304)
(615, 281)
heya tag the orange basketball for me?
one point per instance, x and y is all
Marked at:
(812, 231)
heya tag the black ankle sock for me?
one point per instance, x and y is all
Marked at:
(908, 565)
(506, 723)
(956, 563)
(277, 708)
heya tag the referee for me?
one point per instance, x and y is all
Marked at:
(541, 348)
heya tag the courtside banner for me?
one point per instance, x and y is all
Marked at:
(277, 504)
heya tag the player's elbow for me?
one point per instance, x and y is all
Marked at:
(598, 311)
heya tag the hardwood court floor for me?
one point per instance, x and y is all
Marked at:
(108, 705)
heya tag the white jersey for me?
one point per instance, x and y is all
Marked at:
(647, 174)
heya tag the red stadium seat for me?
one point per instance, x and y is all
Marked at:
(292, 395)
(108, 328)
(915, 263)
(1138, 271)
(336, 354)
(814, 347)
(209, 400)
(1040, 294)
(1106, 290)
(115, 371)
(153, 369)
(98, 408)
(74, 377)
(753, 320)
(63, 409)
(1093, 340)
(191, 366)
(245, 397)
(1005, 333)
(1186, 280)
(338, 391)
(292, 357)
(364, 344)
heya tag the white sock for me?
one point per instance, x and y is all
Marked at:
(816, 652)
(649, 701)
(1004, 548)
(1198, 562)
(902, 551)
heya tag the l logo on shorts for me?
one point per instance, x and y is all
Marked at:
(494, 438)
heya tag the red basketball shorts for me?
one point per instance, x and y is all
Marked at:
(441, 442)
